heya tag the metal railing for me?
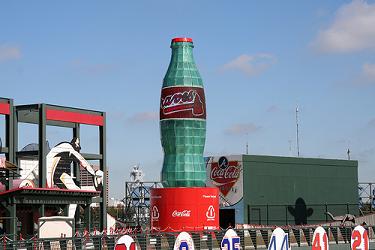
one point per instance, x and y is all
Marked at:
(256, 238)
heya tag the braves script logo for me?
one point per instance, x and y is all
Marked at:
(210, 214)
(184, 213)
(182, 102)
(225, 174)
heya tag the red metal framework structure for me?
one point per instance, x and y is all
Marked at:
(44, 115)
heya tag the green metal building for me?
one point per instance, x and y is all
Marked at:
(277, 190)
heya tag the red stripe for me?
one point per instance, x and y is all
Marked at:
(67, 116)
(4, 108)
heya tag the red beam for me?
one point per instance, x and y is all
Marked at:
(67, 116)
(4, 108)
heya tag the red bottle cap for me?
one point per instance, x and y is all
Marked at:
(182, 39)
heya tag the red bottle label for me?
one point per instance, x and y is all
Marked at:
(182, 102)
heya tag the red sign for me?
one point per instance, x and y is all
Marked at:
(225, 174)
(185, 209)
(182, 102)
(4, 108)
(68, 116)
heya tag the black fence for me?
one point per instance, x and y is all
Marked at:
(297, 214)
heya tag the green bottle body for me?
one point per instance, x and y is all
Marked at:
(183, 120)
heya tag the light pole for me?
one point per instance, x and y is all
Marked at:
(297, 131)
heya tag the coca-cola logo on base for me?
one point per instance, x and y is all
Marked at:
(225, 174)
(182, 102)
(210, 214)
(155, 213)
(183, 213)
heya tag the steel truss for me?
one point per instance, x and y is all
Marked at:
(366, 194)
(137, 202)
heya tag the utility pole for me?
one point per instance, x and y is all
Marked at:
(348, 152)
(297, 131)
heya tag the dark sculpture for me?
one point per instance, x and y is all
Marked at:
(300, 212)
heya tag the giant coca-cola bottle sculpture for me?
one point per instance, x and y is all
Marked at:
(184, 203)
(183, 119)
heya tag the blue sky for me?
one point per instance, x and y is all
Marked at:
(258, 60)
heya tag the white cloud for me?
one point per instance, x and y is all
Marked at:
(368, 72)
(353, 29)
(250, 64)
(8, 53)
(242, 129)
(144, 117)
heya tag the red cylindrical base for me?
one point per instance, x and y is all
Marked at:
(184, 209)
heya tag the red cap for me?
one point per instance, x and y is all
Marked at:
(182, 39)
